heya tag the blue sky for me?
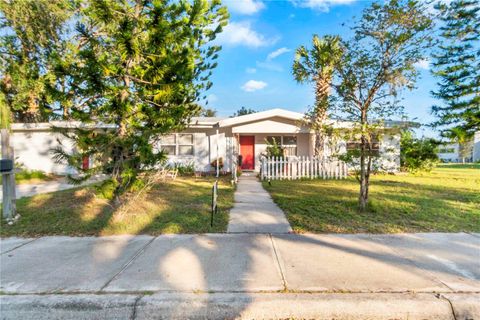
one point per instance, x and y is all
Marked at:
(254, 67)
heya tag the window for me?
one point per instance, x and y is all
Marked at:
(278, 139)
(288, 143)
(446, 150)
(180, 144)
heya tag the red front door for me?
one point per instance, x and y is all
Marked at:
(247, 151)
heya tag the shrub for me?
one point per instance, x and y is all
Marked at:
(184, 169)
(274, 149)
(418, 154)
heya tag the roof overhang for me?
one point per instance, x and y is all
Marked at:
(258, 116)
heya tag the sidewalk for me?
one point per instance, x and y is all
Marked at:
(254, 210)
(414, 276)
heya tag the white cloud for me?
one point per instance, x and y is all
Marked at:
(423, 64)
(253, 85)
(247, 7)
(321, 5)
(250, 70)
(277, 53)
(241, 33)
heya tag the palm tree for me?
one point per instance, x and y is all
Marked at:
(317, 65)
(464, 140)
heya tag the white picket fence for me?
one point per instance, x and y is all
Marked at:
(277, 168)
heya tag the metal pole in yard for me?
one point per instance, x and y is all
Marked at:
(218, 169)
(8, 183)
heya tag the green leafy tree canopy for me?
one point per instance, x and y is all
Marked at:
(142, 67)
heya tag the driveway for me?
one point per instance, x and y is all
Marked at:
(415, 276)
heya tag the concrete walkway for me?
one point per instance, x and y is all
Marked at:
(31, 189)
(407, 276)
(254, 210)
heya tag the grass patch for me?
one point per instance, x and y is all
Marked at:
(460, 165)
(444, 200)
(180, 206)
(31, 176)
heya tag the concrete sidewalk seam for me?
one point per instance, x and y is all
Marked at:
(19, 246)
(427, 273)
(441, 296)
(282, 274)
(473, 234)
(135, 256)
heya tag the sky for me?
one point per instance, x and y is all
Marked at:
(255, 63)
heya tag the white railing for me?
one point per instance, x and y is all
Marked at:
(277, 168)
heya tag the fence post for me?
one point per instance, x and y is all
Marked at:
(214, 201)
(269, 168)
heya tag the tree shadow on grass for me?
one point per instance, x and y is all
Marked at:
(180, 206)
(399, 207)
(198, 265)
(70, 212)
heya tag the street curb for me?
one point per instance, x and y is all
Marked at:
(241, 306)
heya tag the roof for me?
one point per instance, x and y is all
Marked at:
(208, 122)
(205, 121)
(260, 116)
(41, 126)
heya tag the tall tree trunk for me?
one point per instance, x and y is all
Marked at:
(363, 197)
(364, 165)
(322, 92)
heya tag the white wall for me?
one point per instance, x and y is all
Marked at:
(450, 156)
(33, 149)
(476, 147)
(390, 153)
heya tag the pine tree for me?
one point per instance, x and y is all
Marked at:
(142, 68)
(457, 67)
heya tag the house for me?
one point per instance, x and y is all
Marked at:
(449, 152)
(209, 138)
(476, 147)
(452, 152)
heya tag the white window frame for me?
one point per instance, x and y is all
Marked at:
(286, 145)
(177, 144)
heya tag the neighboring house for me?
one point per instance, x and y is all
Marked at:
(451, 152)
(476, 147)
(207, 138)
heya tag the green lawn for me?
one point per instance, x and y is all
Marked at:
(180, 206)
(31, 176)
(444, 200)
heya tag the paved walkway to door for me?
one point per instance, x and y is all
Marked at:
(254, 210)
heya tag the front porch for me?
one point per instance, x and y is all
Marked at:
(253, 146)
